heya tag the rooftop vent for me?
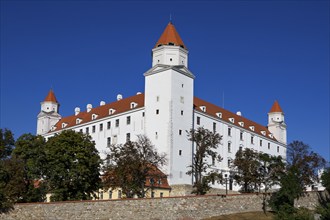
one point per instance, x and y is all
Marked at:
(119, 97)
(138, 93)
(89, 107)
(102, 103)
(76, 111)
(239, 113)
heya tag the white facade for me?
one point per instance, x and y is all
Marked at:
(166, 111)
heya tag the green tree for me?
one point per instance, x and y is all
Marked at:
(72, 168)
(324, 208)
(7, 142)
(302, 170)
(246, 169)
(30, 149)
(8, 194)
(129, 165)
(270, 169)
(206, 144)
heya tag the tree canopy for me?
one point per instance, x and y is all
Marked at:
(206, 143)
(129, 165)
(7, 142)
(73, 166)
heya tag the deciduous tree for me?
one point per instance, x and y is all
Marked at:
(129, 165)
(72, 168)
(246, 169)
(7, 142)
(206, 144)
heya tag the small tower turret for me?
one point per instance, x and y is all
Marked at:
(49, 113)
(276, 123)
(170, 49)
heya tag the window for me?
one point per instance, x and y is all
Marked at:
(181, 99)
(128, 137)
(252, 141)
(119, 194)
(142, 114)
(110, 194)
(81, 130)
(101, 127)
(161, 195)
(156, 135)
(213, 160)
(182, 84)
(114, 139)
(93, 129)
(214, 126)
(180, 174)
(108, 141)
(159, 181)
(101, 195)
(240, 148)
(278, 149)
(181, 112)
(170, 44)
(152, 194)
(117, 123)
(152, 181)
(268, 146)
(260, 143)
(180, 152)
(87, 130)
(128, 120)
(157, 98)
(241, 136)
(229, 147)
(157, 111)
(229, 162)
(229, 131)
(109, 125)
(198, 120)
(180, 132)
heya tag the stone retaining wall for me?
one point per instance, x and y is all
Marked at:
(188, 207)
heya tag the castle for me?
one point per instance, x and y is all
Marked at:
(164, 112)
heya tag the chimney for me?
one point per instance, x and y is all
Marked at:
(76, 111)
(119, 97)
(102, 103)
(89, 107)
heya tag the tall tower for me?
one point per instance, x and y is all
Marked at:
(276, 123)
(169, 89)
(49, 113)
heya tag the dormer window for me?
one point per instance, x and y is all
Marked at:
(53, 128)
(78, 120)
(64, 125)
(170, 43)
(263, 132)
(94, 116)
(232, 120)
(219, 114)
(271, 135)
(251, 128)
(133, 105)
(203, 108)
(111, 111)
(241, 123)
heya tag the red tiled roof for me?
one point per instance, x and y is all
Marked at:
(276, 107)
(212, 110)
(50, 97)
(124, 105)
(170, 35)
(120, 106)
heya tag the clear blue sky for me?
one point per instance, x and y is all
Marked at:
(252, 51)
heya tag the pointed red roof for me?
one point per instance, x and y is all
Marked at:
(276, 107)
(170, 36)
(51, 97)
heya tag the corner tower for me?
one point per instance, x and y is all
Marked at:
(169, 89)
(276, 123)
(170, 49)
(49, 113)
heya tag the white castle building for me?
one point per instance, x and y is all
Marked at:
(164, 112)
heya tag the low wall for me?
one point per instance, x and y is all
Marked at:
(188, 207)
